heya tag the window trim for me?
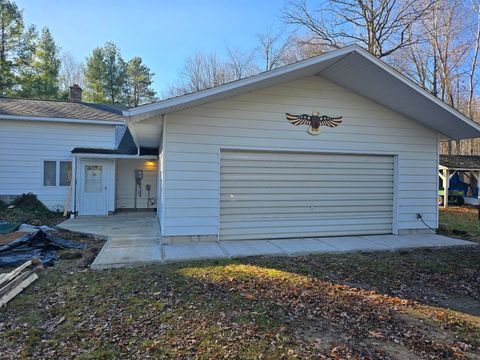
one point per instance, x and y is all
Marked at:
(57, 172)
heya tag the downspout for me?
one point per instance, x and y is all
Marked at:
(74, 184)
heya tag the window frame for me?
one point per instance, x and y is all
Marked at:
(57, 172)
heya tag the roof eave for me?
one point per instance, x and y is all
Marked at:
(62, 120)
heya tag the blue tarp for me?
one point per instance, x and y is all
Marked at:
(39, 245)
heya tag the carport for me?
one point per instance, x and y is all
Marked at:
(465, 166)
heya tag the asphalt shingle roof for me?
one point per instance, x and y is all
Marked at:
(59, 109)
(460, 161)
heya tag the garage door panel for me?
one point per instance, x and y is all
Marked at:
(323, 165)
(300, 177)
(235, 221)
(307, 205)
(283, 168)
(252, 225)
(305, 183)
(301, 157)
(285, 195)
(249, 212)
(347, 193)
(313, 231)
(310, 197)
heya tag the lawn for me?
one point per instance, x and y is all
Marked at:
(422, 304)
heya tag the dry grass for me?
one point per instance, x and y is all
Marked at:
(366, 306)
(463, 218)
(422, 304)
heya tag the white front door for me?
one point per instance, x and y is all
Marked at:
(93, 188)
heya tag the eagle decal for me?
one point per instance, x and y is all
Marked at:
(314, 121)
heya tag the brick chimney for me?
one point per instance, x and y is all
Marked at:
(75, 93)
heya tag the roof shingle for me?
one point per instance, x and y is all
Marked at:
(460, 161)
(59, 109)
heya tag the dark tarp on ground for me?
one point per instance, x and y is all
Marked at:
(6, 227)
(39, 245)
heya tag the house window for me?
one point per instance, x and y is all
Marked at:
(65, 173)
(57, 173)
(49, 173)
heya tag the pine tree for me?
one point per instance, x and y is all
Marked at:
(94, 77)
(139, 78)
(105, 75)
(11, 31)
(42, 79)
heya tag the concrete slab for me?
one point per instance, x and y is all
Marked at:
(193, 251)
(391, 242)
(434, 240)
(132, 242)
(111, 256)
(302, 246)
(395, 242)
(243, 248)
(121, 224)
(353, 243)
(133, 239)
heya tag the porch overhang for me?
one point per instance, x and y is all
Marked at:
(143, 153)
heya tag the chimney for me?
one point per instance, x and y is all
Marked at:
(75, 93)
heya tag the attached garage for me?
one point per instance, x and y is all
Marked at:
(336, 145)
(267, 195)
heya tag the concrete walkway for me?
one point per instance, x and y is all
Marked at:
(128, 251)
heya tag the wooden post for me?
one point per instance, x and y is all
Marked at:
(446, 184)
(477, 178)
(478, 193)
(66, 207)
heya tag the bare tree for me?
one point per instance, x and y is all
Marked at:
(381, 26)
(273, 49)
(202, 72)
(71, 72)
(242, 63)
(472, 81)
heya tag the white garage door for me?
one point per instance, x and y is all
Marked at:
(267, 195)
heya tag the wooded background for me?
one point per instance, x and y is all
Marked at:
(433, 42)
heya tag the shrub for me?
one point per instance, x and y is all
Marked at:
(3, 206)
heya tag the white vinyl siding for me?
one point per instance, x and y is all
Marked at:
(25, 145)
(256, 121)
(267, 195)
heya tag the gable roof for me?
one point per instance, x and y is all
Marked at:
(351, 67)
(47, 110)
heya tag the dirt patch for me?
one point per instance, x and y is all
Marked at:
(28, 209)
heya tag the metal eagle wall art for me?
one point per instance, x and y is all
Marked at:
(314, 121)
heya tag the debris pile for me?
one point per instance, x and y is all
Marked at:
(36, 245)
(12, 283)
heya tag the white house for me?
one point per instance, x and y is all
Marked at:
(43, 144)
(357, 154)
